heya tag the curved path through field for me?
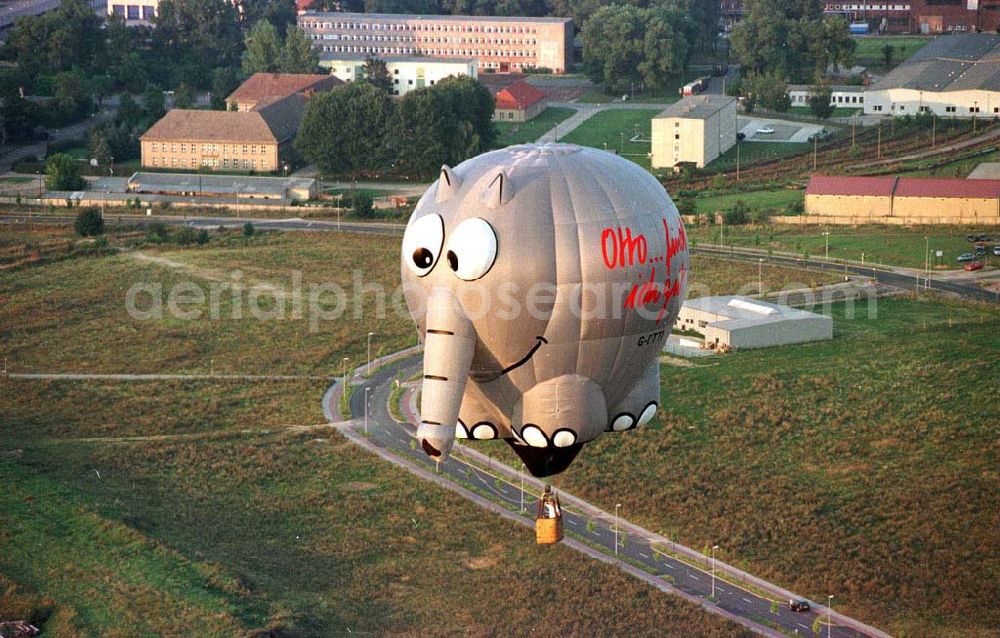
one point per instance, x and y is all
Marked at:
(750, 601)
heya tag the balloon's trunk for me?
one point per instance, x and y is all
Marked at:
(449, 344)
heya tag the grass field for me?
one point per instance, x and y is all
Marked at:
(863, 467)
(524, 132)
(612, 130)
(774, 200)
(839, 111)
(222, 508)
(868, 51)
(750, 151)
(957, 168)
(893, 245)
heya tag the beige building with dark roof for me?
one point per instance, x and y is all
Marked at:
(258, 140)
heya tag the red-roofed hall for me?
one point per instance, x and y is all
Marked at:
(905, 200)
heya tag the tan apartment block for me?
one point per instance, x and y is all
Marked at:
(500, 44)
(259, 140)
(694, 130)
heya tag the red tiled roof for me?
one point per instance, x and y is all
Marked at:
(903, 187)
(851, 186)
(302, 5)
(261, 85)
(519, 95)
(953, 187)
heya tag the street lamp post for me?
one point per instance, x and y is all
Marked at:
(927, 260)
(623, 141)
(760, 276)
(367, 390)
(714, 547)
(617, 505)
(343, 372)
(522, 488)
(827, 234)
(829, 614)
(370, 353)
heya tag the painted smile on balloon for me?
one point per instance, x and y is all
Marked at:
(513, 366)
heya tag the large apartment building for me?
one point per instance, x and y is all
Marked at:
(499, 44)
(899, 16)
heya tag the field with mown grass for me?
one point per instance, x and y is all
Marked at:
(774, 201)
(613, 129)
(525, 132)
(865, 467)
(892, 245)
(868, 49)
(219, 507)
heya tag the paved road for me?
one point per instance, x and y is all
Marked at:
(477, 476)
(881, 274)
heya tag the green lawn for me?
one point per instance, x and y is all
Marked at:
(868, 51)
(219, 515)
(612, 130)
(865, 466)
(776, 200)
(883, 244)
(839, 111)
(957, 168)
(751, 151)
(523, 132)
(666, 95)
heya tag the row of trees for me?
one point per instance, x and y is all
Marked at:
(358, 128)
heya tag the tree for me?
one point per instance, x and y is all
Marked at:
(72, 99)
(249, 230)
(62, 173)
(473, 106)
(280, 13)
(377, 73)
(152, 99)
(224, 82)
(623, 45)
(344, 130)
(184, 96)
(57, 41)
(298, 54)
(100, 149)
(771, 91)
(18, 116)
(263, 49)
(887, 54)
(197, 36)
(129, 113)
(819, 99)
(401, 6)
(89, 223)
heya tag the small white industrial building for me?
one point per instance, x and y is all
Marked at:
(952, 76)
(841, 95)
(407, 72)
(743, 322)
(694, 130)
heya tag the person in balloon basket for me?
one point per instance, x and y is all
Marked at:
(550, 504)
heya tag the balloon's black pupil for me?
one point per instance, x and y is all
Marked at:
(453, 260)
(423, 258)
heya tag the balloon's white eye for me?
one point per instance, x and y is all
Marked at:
(422, 244)
(472, 249)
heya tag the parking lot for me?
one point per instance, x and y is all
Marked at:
(784, 130)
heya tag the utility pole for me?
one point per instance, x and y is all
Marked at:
(878, 154)
(714, 547)
(854, 128)
(522, 488)
(815, 150)
(934, 131)
(737, 160)
(370, 353)
(760, 276)
(617, 505)
(367, 390)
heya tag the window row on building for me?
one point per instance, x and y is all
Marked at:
(420, 28)
(468, 53)
(211, 162)
(251, 149)
(134, 11)
(353, 37)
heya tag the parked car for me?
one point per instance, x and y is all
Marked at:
(976, 265)
(966, 257)
(766, 130)
(820, 136)
(977, 237)
(980, 249)
(798, 604)
(996, 250)
(970, 238)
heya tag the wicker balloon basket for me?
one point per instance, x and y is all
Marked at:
(548, 531)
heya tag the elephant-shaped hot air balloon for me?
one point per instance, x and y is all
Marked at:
(543, 280)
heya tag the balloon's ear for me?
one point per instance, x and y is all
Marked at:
(448, 184)
(498, 192)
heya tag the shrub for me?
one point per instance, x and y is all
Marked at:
(89, 223)
(186, 236)
(62, 173)
(737, 215)
(202, 237)
(158, 232)
(361, 204)
(248, 230)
